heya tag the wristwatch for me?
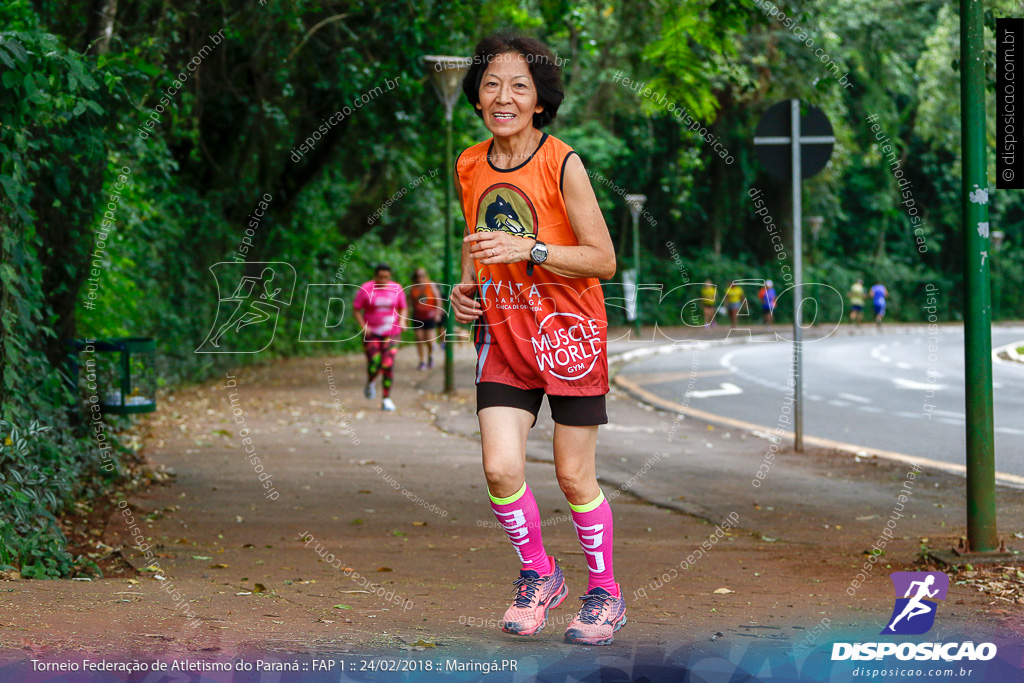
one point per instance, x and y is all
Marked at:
(538, 254)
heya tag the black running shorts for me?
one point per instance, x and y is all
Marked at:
(572, 411)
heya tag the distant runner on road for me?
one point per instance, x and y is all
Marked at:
(857, 302)
(427, 309)
(734, 299)
(878, 296)
(767, 296)
(540, 325)
(707, 295)
(378, 309)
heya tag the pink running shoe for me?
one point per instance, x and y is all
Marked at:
(601, 615)
(535, 595)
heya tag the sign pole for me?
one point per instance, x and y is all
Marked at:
(981, 478)
(808, 155)
(798, 254)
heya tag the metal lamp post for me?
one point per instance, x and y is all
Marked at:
(814, 223)
(996, 237)
(636, 206)
(446, 73)
(981, 475)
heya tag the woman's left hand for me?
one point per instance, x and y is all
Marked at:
(491, 247)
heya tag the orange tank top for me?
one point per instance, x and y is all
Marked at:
(539, 331)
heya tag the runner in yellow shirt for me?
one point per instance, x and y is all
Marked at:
(707, 297)
(734, 299)
(856, 295)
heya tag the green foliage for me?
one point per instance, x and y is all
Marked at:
(73, 105)
(32, 488)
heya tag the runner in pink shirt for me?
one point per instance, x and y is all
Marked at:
(379, 306)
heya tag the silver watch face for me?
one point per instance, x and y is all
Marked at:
(539, 253)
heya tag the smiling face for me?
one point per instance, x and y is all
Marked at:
(508, 97)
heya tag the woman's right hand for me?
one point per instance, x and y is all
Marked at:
(466, 307)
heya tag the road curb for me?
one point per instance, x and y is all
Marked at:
(1010, 351)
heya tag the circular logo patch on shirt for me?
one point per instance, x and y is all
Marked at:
(504, 207)
(567, 345)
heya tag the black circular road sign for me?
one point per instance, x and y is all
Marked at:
(773, 140)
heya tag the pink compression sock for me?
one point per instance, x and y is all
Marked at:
(520, 518)
(593, 522)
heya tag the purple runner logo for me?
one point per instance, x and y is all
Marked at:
(914, 612)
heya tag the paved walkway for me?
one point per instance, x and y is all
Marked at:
(398, 500)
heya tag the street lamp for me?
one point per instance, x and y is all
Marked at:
(636, 206)
(814, 223)
(446, 73)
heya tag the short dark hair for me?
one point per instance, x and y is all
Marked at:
(381, 267)
(544, 70)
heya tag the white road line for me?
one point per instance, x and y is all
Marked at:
(916, 386)
(1010, 430)
(947, 421)
(904, 366)
(870, 409)
(728, 389)
(905, 414)
(855, 398)
(949, 413)
(726, 360)
(840, 404)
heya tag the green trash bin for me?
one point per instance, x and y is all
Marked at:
(119, 374)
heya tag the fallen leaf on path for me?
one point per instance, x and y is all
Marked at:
(248, 545)
(157, 635)
(423, 643)
(342, 607)
(419, 523)
(133, 581)
(201, 557)
(219, 565)
(365, 491)
(723, 591)
(385, 569)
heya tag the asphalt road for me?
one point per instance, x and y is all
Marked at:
(864, 388)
